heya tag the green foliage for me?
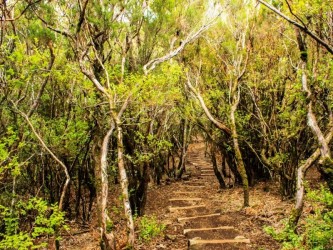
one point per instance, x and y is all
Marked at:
(149, 228)
(9, 162)
(317, 232)
(153, 143)
(288, 237)
(40, 34)
(109, 225)
(43, 220)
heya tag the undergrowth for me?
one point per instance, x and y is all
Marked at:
(25, 224)
(149, 228)
(316, 233)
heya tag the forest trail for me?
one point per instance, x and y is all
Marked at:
(197, 209)
(198, 215)
(194, 212)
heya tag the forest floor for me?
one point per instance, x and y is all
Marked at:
(212, 218)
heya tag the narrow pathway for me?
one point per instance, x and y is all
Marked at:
(197, 210)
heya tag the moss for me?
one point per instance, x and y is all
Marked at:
(294, 218)
(326, 168)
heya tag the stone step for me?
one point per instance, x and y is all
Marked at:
(186, 192)
(229, 233)
(195, 183)
(185, 199)
(172, 209)
(194, 186)
(207, 174)
(193, 243)
(197, 217)
(207, 170)
(207, 229)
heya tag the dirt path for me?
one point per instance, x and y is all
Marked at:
(198, 212)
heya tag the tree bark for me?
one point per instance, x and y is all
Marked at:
(124, 182)
(181, 165)
(217, 173)
(323, 151)
(240, 164)
(216, 122)
(300, 26)
(102, 184)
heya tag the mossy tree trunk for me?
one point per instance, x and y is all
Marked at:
(124, 181)
(100, 150)
(238, 155)
(185, 138)
(325, 163)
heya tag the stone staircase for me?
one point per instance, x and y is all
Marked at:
(204, 224)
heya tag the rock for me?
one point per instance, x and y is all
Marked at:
(185, 177)
(240, 237)
(170, 237)
(161, 246)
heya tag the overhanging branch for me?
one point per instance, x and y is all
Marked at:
(328, 47)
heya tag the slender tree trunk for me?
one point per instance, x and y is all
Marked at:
(323, 151)
(100, 150)
(108, 237)
(215, 167)
(326, 163)
(297, 210)
(141, 195)
(181, 165)
(124, 183)
(239, 160)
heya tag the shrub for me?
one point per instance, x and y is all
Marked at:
(25, 222)
(317, 231)
(149, 228)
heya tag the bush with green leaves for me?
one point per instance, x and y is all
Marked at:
(25, 224)
(149, 228)
(317, 231)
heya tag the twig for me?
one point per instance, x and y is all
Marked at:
(51, 153)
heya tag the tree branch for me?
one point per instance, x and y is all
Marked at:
(328, 47)
(21, 14)
(61, 201)
(190, 38)
(82, 14)
(217, 123)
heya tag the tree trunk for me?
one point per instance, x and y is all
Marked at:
(239, 160)
(215, 167)
(326, 163)
(297, 210)
(124, 183)
(182, 158)
(323, 151)
(141, 192)
(100, 158)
